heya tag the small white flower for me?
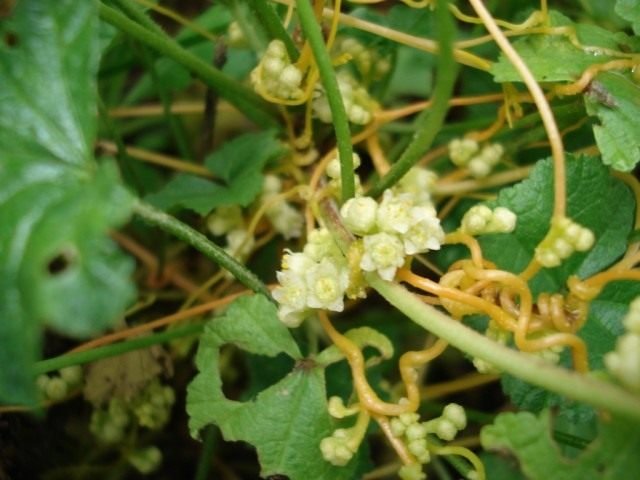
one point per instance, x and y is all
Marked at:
(425, 233)
(291, 291)
(384, 253)
(359, 214)
(394, 212)
(296, 262)
(291, 294)
(326, 285)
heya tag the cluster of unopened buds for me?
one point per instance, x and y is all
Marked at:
(150, 408)
(481, 220)
(413, 433)
(466, 152)
(276, 77)
(56, 387)
(357, 102)
(367, 61)
(624, 362)
(564, 238)
(402, 223)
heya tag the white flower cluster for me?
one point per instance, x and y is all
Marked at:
(465, 152)
(396, 227)
(367, 61)
(403, 223)
(413, 433)
(150, 408)
(357, 102)
(480, 220)
(317, 277)
(228, 221)
(624, 362)
(57, 387)
(565, 237)
(276, 75)
(286, 219)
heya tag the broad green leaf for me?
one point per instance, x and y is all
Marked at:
(630, 11)
(238, 165)
(553, 58)
(591, 190)
(615, 100)
(612, 456)
(285, 422)
(57, 266)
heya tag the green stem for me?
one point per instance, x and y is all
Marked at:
(274, 27)
(135, 11)
(431, 123)
(208, 448)
(313, 34)
(184, 232)
(530, 369)
(80, 358)
(243, 98)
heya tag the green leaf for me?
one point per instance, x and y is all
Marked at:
(500, 467)
(615, 100)
(238, 164)
(57, 267)
(613, 455)
(630, 11)
(591, 190)
(285, 422)
(567, 61)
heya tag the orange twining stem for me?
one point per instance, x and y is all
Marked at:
(502, 318)
(161, 322)
(470, 242)
(409, 361)
(367, 398)
(514, 282)
(579, 85)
